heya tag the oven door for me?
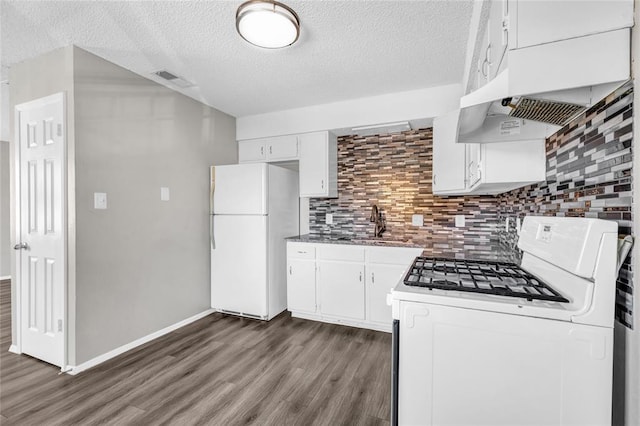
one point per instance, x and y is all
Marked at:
(464, 366)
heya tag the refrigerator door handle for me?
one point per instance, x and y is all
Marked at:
(212, 191)
(212, 235)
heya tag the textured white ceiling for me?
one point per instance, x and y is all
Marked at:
(347, 49)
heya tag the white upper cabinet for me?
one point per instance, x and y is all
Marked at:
(282, 148)
(482, 168)
(501, 167)
(251, 151)
(318, 165)
(279, 148)
(498, 31)
(316, 152)
(448, 156)
(545, 21)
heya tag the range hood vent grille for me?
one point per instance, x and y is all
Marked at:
(553, 112)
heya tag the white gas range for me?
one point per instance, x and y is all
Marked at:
(491, 343)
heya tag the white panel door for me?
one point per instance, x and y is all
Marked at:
(239, 189)
(239, 264)
(41, 245)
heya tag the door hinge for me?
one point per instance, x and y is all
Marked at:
(60, 325)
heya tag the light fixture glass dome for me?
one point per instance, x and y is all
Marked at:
(267, 24)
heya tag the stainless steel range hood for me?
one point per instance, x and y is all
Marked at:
(544, 87)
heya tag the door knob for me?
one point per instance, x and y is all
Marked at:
(21, 246)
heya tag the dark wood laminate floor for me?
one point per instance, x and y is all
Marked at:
(220, 370)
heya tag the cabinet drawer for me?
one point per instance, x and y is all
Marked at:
(343, 253)
(301, 251)
(392, 255)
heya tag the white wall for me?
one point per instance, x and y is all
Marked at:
(402, 106)
(142, 264)
(4, 112)
(5, 226)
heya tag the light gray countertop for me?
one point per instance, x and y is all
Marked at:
(489, 250)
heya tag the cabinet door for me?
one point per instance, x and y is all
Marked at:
(448, 156)
(301, 285)
(314, 165)
(498, 35)
(473, 164)
(547, 21)
(484, 57)
(341, 289)
(282, 148)
(380, 280)
(251, 151)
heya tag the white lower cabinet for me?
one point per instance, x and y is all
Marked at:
(341, 287)
(345, 284)
(301, 278)
(380, 280)
(385, 268)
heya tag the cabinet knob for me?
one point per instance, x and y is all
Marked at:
(322, 183)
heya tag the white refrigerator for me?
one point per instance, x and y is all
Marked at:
(254, 207)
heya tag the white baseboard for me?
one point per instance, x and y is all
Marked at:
(6, 277)
(14, 349)
(75, 369)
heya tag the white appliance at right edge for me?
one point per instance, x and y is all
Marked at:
(494, 343)
(254, 207)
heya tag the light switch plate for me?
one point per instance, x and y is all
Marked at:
(164, 193)
(329, 219)
(100, 200)
(417, 220)
(459, 221)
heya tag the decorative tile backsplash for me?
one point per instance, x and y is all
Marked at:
(588, 174)
(589, 164)
(394, 173)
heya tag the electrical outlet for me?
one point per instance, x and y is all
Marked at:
(328, 219)
(459, 221)
(417, 220)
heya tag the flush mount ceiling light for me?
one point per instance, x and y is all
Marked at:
(267, 24)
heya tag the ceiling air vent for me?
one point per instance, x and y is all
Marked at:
(173, 79)
(554, 112)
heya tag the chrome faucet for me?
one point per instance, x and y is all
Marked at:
(381, 224)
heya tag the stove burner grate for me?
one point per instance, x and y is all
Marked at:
(498, 278)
